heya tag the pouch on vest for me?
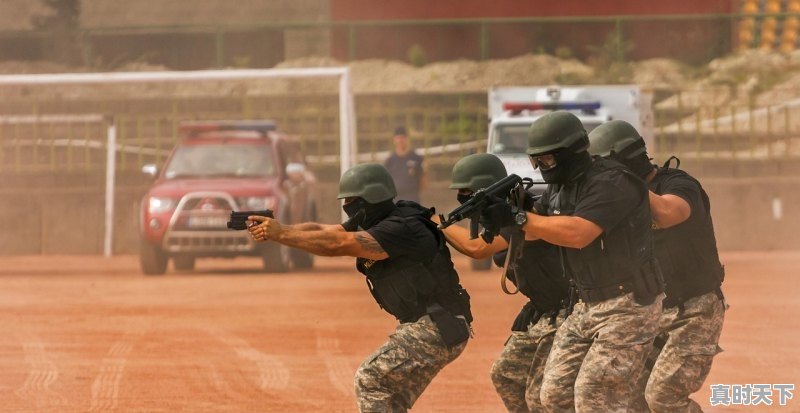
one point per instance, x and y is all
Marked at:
(403, 292)
(649, 283)
(462, 298)
(452, 329)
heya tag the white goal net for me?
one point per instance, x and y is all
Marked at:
(127, 135)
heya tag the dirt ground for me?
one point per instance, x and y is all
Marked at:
(92, 334)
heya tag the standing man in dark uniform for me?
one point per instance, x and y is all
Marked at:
(694, 308)
(598, 214)
(517, 373)
(409, 272)
(406, 167)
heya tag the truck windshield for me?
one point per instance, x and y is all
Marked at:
(510, 139)
(514, 138)
(221, 160)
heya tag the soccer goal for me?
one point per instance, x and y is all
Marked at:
(116, 147)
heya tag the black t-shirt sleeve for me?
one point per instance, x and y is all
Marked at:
(405, 237)
(686, 188)
(540, 205)
(608, 199)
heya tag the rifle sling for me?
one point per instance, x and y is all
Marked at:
(515, 243)
(513, 248)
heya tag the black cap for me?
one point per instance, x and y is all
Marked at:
(400, 130)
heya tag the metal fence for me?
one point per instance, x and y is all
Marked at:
(445, 127)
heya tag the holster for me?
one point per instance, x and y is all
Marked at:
(462, 299)
(452, 329)
(527, 315)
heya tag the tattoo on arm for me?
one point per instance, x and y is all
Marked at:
(368, 243)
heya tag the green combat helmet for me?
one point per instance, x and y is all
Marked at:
(616, 137)
(554, 131)
(477, 171)
(369, 181)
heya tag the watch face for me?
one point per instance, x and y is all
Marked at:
(521, 218)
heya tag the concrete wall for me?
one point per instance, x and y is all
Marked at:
(691, 41)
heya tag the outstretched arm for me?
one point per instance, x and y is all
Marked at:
(458, 238)
(314, 226)
(320, 242)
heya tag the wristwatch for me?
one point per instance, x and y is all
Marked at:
(520, 218)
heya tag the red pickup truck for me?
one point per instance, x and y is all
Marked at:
(217, 167)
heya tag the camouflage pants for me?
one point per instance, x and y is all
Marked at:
(597, 355)
(517, 373)
(682, 365)
(392, 378)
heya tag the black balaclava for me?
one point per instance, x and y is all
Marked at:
(638, 164)
(569, 167)
(463, 198)
(571, 163)
(364, 215)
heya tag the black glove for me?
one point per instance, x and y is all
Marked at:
(499, 214)
(530, 199)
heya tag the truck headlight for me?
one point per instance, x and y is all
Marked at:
(256, 203)
(157, 205)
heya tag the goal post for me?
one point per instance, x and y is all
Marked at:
(347, 119)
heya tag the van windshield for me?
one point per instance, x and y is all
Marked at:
(511, 139)
(221, 160)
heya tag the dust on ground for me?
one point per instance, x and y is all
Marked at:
(86, 333)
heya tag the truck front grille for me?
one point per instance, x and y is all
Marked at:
(208, 241)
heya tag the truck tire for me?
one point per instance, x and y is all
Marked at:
(183, 263)
(152, 259)
(301, 259)
(275, 258)
(482, 265)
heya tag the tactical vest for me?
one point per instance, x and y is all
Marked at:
(616, 262)
(409, 289)
(687, 252)
(539, 276)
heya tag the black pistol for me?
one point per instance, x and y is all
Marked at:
(238, 219)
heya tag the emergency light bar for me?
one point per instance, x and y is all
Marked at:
(517, 107)
(196, 127)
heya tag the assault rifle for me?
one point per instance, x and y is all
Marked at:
(238, 220)
(477, 203)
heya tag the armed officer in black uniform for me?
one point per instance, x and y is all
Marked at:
(409, 272)
(598, 213)
(694, 308)
(517, 373)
